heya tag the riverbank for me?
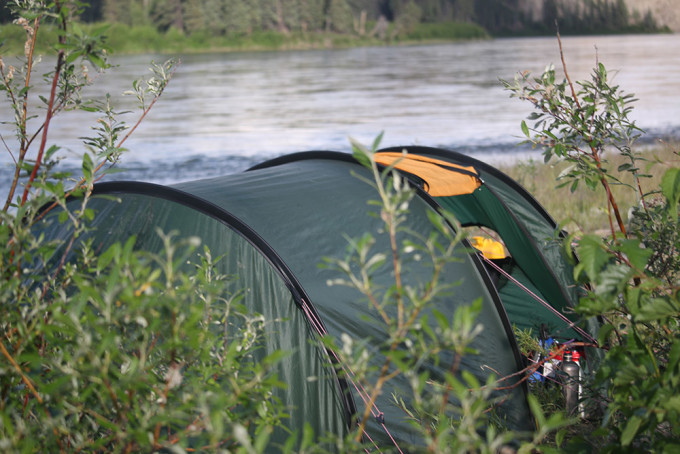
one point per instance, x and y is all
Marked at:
(584, 210)
(123, 39)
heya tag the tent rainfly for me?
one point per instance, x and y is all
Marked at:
(275, 222)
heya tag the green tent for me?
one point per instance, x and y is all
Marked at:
(275, 222)
(536, 285)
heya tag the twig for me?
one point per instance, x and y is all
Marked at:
(23, 149)
(527, 371)
(613, 206)
(24, 378)
(48, 115)
(101, 165)
(374, 395)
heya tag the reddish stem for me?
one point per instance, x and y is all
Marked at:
(595, 155)
(23, 149)
(48, 118)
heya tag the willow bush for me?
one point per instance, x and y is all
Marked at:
(117, 350)
(631, 272)
(126, 351)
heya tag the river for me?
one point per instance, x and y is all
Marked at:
(224, 112)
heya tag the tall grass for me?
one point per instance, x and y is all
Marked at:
(582, 210)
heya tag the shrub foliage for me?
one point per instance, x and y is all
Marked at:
(116, 350)
(631, 273)
(126, 351)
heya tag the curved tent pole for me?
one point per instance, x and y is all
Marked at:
(302, 156)
(346, 157)
(302, 300)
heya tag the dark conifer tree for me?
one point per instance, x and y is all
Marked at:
(91, 11)
(5, 13)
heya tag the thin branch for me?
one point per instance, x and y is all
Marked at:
(147, 109)
(9, 150)
(103, 163)
(24, 145)
(595, 155)
(24, 378)
(48, 118)
(377, 390)
(50, 112)
(566, 73)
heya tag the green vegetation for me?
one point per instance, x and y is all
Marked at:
(116, 350)
(630, 272)
(121, 38)
(171, 26)
(122, 351)
(584, 210)
(445, 31)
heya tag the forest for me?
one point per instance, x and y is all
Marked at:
(362, 17)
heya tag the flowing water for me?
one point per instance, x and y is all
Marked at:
(224, 112)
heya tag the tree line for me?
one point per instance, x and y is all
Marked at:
(359, 17)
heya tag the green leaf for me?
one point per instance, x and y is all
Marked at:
(595, 306)
(376, 142)
(108, 256)
(631, 430)
(629, 372)
(361, 154)
(442, 320)
(7, 425)
(602, 71)
(592, 255)
(603, 334)
(637, 255)
(658, 309)
(262, 441)
(88, 166)
(574, 186)
(276, 357)
(547, 155)
(536, 410)
(97, 61)
(51, 151)
(525, 128)
(672, 404)
(613, 279)
(674, 356)
(73, 56)
(670, 188)
(88, 214)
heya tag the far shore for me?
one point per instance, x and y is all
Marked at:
(125, 40)
(122, 39)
